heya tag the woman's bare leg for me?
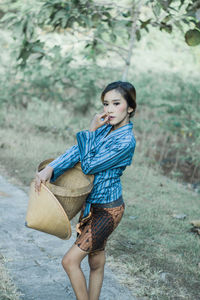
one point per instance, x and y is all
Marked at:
(96, 263)
(71, 263)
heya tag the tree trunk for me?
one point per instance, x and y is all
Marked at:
(135, 14)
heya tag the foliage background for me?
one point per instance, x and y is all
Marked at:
(62, 67)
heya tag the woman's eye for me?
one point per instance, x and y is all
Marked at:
(116, 103)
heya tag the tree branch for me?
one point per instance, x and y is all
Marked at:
(135, 14)
(104, 42)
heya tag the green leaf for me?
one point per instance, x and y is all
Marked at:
(181, 3)
(88, 45)
(85, 21)
(138, 35)
(107, 16)
(29, 30)
(8, 17)
(145, 23)
(166, 27)
(127, 14)
(71, 21)
(165, 4)
(59, 16)
(96, 17)
(28, 48)
(167, 18)
(156, 9)
(192, 37)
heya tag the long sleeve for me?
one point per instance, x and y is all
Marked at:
(65, 161)
(111, 154)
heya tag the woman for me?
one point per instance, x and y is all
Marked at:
(104, 150)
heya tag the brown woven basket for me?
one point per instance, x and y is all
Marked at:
(71, 188)
(45, 213)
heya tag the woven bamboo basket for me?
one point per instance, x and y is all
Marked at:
(46, 214)
(71, 188)
(57, 203)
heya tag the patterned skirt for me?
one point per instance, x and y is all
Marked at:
(95, 229)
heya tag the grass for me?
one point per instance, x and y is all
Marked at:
(157, 252)
(28, 137)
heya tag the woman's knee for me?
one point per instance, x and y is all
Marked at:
(68, 262)
(72, 259)
(97, 261)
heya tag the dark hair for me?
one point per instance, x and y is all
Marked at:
(126, 89)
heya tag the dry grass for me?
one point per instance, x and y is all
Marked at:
(157, 254)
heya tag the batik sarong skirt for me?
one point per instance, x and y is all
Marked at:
(96, 228)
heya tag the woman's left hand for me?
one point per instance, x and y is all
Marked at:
(77, 228)
(97, 122)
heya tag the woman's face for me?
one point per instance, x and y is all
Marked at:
(116, 106)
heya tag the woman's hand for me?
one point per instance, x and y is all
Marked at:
(97, 122)
(77, 228)
(42, 177)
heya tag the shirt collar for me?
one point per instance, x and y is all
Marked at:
(124, 128)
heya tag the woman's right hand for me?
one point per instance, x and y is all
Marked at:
(42, 177)
(98, 122)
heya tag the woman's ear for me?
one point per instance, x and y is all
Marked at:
(130, 109)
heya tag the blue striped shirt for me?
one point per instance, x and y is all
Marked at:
(105, 156)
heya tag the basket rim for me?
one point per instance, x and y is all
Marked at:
(68, 192)
(63, 192)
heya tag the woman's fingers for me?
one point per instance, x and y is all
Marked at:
(77, 228)
(38, 182)
(42, 177)
(105, 120)
(103, 114)
(98, 122)
(105, 117)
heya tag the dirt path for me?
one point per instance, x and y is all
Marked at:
(34, 258)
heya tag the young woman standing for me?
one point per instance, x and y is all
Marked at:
(104, 150)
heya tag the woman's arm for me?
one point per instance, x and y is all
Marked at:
(72, 156)
(111, 155)
(65, 161)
